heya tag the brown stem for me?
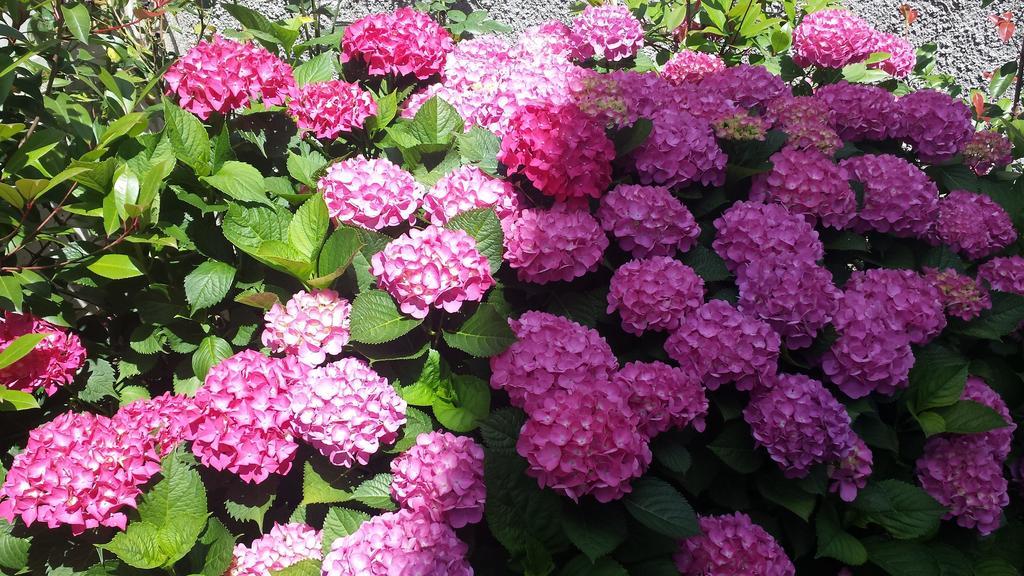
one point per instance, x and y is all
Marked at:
(28, 238)
(127, 231)
(732, 37)
(1020, 80)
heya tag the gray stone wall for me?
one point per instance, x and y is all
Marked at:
(966, 39)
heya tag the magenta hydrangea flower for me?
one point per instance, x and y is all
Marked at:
(562, 151)
(859, 111)
(432, 268)
(751, 230)
(688, 66)
(936, 124)
(965, 479)
(51, 364)
(799, 423)
(648, 220)
(902, 55)
(164, 418)
(987, 150)
(562, 243)
(681, 149)
(654, 294)
(832, 39)
(797, 299)
(283, 546)
(224, 75)
(551, 353)
(346, 411)
(807, 182)
(866, 359)
(806, 122)
(850, 473)
(891, 299)
(663, 396)
(998, 440)
(372, 193)
(403, 543)
(732, 545)
(79, 470)
(742, 126)
(330, 108)
(973, 224)
(610, 32)
(402, 42)
(584, 442)
(310, 326)
(963, 296)
(473, 60)
(724, 345)
(899, 198)
(468, 188)
(443, 475)
(240, 417)
(747, 86)
(647, 93)
(1004, 274)
(600, 97)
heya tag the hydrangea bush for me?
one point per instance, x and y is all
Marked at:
(668, 288)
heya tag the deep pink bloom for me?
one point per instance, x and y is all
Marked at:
(330, 108)
(965, 477)
(346, 411)
(859, 111)
(372, 193)
(973, 224)
(655, 294)
(283, 546)
(963, 296)
(894, 300)
(442, 475)
(1004, 274)
(681, 149)
(899, 198)
(807, 182)
(663, 396)
(51, 364)
(832, 39)
(468, 188)
(851, 473)
(646, 94)
(562, 243)
(747, 86)
(648, 220)
(998, 440)
(936, 124)
(165, 419)
(732, 545)
(432, 267)
(723, 345)
(806, 122)
(987, 150)
(868, 359)
(795, 298)
(748, 231)
(310, 326)
(902, 55)
(610, 32)
(687, 66)
(402, 42)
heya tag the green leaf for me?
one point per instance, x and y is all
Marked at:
(219, 545)
(76, 17)
(994, 567)
(938, 377)
(969, 417)
(904, 510)
(596, 529)
(212, 350)
(436, 122)
(706, 264)
(309, 226)
(305, 167)
(834, 542)
(115, 267)
(177, 507)
(735, 447)
(416, 422)
(240, 181)
(341, 522)
(250, 511)
(672, 455)
(10, 288)
(375, 318)
(479, 147)
(582, 307)
(582, 566)
(16, 400)
(249, 227)
(337, 254)
(500, 430)
(137, 546)
(375, 492)
(787, 494)
(902, 558)
(484, 334)
(13, 550)
(188, 137)
(308, 567)
(425, 390)
(19, 348)
(470, 405)
(628, 139)
(1006, 314)
(483, 225)
(208, 284)
(318, 490)
(100, 383)
(657, 505)
(261, 300)
(320, 68)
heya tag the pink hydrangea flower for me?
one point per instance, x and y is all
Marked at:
(610, 32)
(832, 39)
(402, 42)
(891, 299)
(372, 193)
(562, 243)
(585, 442)
(403, 543)
(868, 359)
(51, 364)
(967, 480)
(1004, 274)
(283, 546)
(648, 220)
(936, 124)
(654, 294)
(807, 182)
(741, 126)
(963, 296)
(806, 122)
(688, 66)
(563, 152)
(681, 149)
(795, 298)
(902, 55)
(799, 423)
(79, 470)
(851, 473)
(859, 111)
(551, 353)
(600, 97)
(443, 475)
(165, 419)
(998, 440)
(223, 75)
(899, 198)
(725, 345)
(751, 230)
(647, 93)
(663, 396)
(987, 150)
(973, 224)
(310, 326)
(240, 417)
(732, 545)
(346, 411)
(472, 60)
(330, 108)
(468, 188)
(432, 268)
(747, 86)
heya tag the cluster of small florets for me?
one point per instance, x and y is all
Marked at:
(748, 231)
(807, 182)
(1004, 274)
(655, 294)
(806, 122)
(937, 125)
(834, 38)
(330, 108)
(687, 66)
(346, 411)
(851, 473)
(741, 126)
(223, 75)
(747, 86)
(681, 149)
(283, 546)
(609, 32)
(311, 326)
(973, 224)
(795, 298)
(963, 297)
(899, 198)
(442, 475)
(165, 419)
(558, 244)
(988, 150)
(468, 188)
(663, 396)
(858, 111)
(648, 220)
(732, 545)
(402, 42)
(432, 267)
(373, 193)
(52, 363)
